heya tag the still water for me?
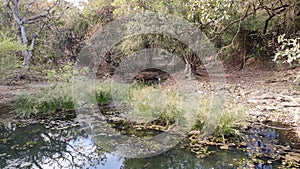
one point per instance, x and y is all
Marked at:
(65, 144)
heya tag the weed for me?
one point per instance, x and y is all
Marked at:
(103, 97)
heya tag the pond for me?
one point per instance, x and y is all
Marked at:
(65, 144)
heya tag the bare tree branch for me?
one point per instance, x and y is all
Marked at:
(49, 13)
(33, 18)
(273, 12)
(14, 10)
(247, 13)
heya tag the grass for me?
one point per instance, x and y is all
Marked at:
(103, 93)
(149, 103)
(45, 101)
(103, 97)
(231, 120)
(50, 100)
(165, 106)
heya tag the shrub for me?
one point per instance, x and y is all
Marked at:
(9, 63)
(288, 51)
(64, 73)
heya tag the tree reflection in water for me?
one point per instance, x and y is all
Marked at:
(58, 145)
(65, 144)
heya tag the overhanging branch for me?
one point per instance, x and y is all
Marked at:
(34, 18)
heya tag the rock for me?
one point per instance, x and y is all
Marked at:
(256, 113)
(288, 104)
(251, 165)
(194, 132)
(266, 108)
(286, 148)
(268, 97)
(211, 143)
(297, 131)
(26, 164)
(243, 144)
(291, 156)
(224, 147)
(285, 92)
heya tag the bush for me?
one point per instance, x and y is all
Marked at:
(9, 63)
(63, 74)
(288, 51)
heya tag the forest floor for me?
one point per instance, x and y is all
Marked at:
(9, 91)
(269, 92)
(272, 96)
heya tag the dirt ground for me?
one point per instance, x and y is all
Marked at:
(8, 92)
(271, 94)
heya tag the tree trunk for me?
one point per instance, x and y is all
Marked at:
(21, 33)
(27, 54)
(188, 65)
(188, 69)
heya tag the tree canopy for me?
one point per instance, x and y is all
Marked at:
(54, 31)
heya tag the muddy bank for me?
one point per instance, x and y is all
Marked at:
(9, 92)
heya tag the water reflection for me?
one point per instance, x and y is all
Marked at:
(47, 146)
(64, 144)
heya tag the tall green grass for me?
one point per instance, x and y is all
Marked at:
(232, 118)
(45, 101)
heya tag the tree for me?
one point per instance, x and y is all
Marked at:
(249, 27)
(31, 18)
